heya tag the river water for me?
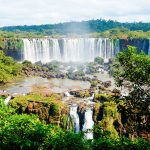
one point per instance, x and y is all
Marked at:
(54, 85)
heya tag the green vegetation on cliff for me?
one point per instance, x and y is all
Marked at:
(18, 34)
(24, 131)
(11, 44)
(8, 68)
(124, 33)
(49, 108)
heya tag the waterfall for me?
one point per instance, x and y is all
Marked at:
(116, 47)
(6, 101)
(88, 121)
(55, 54)
(88, 124)
(91, 98)
(69, 49)
(105, 49)
(80, 49)
(75, 117)
(44, 50)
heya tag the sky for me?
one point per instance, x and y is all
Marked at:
(29, 12)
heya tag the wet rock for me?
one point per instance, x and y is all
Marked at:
(81, 112)
(116, 92)
(81, 93)
(97, 112)
(107, 84)
(101, 87)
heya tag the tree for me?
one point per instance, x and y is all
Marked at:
(135, 68)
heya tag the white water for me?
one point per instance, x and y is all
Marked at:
(75, 117)
(41, 50)
(67, 94)
(91, 98)
(88, 124)
(6, 101)
(69, 49)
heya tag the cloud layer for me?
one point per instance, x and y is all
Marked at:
(27, 12)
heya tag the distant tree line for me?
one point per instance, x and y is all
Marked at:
(98, 25)
(91, 28)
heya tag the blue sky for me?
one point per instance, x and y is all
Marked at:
(28, 12)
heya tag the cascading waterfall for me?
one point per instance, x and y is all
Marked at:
(88, 121)
(88, 124)
(80, 50)
(69, 49)
(44, 50)
(6, 101)
(75, 117)
(105, 49)
(67, 94)
(116, 47)
(90, 99)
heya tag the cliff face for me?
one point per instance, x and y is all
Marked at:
(49, 109)
(16, 54)
(116, 118)
(140, 44)
(12, 47)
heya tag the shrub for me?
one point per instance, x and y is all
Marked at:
(99, 60)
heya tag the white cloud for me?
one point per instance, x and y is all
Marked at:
(20, 12)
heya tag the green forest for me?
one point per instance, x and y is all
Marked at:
(39, 122)
(93, 28)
